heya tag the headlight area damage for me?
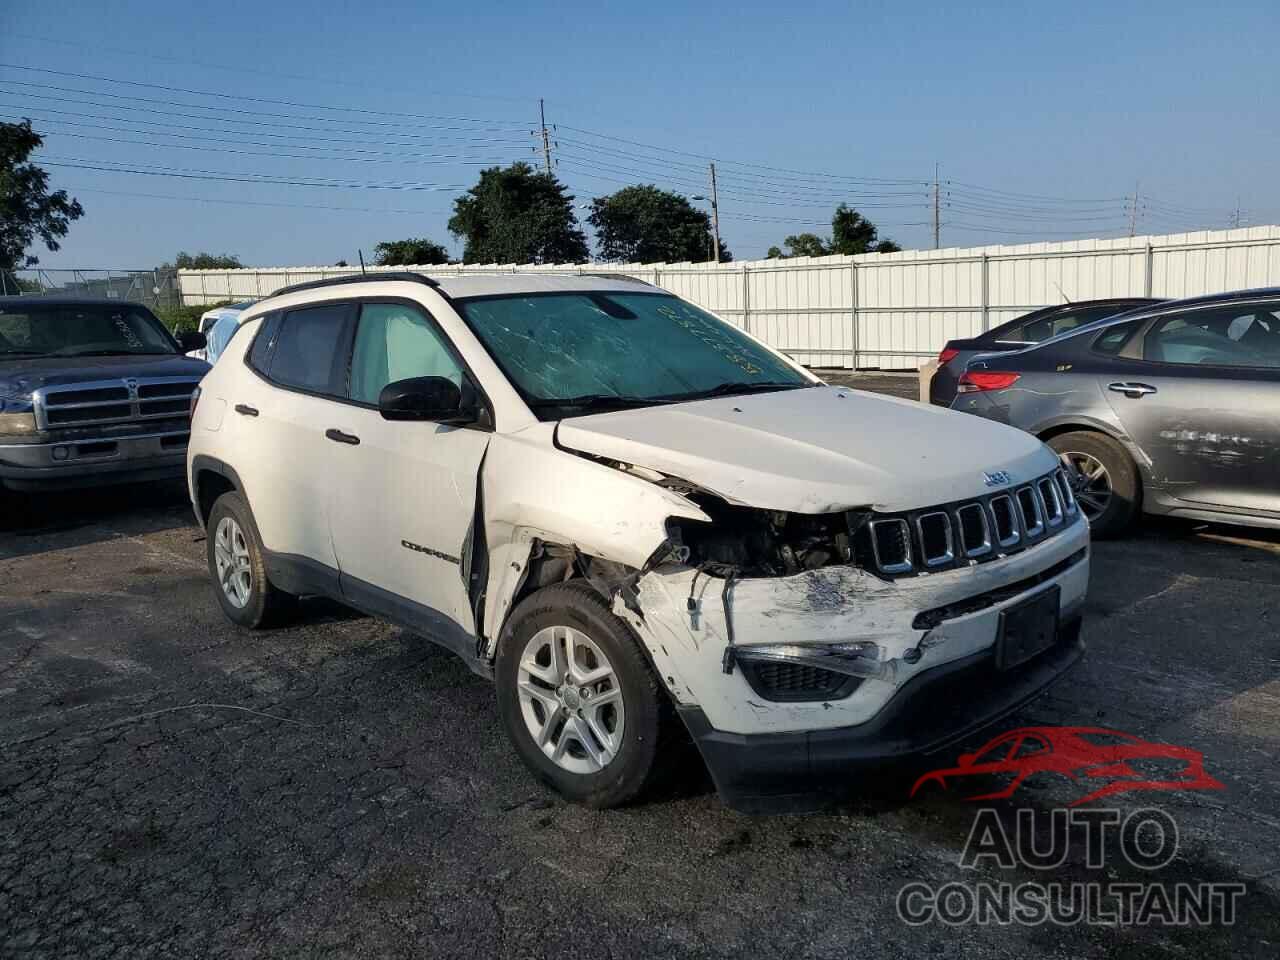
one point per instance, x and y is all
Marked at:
(765, 620)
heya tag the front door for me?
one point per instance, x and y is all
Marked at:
(405, 493)
(1200, 396)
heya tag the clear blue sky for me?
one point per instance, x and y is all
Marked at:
(1016, 102)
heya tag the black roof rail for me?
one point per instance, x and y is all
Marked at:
(616, 276)
(358, 278)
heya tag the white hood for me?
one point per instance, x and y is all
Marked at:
(815, 450)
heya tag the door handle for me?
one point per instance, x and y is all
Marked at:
(339, 437)
(246, 410)
(1132, 390)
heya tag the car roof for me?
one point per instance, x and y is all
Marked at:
(1231, 296)
(484, 284)
(1156, 309)
(67, 301)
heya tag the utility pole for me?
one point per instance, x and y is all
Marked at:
(1236, 218)
(546, 138)
(715, 214)
(937, 211)
(1133, 211)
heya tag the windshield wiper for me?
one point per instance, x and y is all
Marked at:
(593, 401)
(726, 389)
(109, 353)
(22, 353)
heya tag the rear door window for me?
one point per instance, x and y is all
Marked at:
(1232, 337)
(308, 353)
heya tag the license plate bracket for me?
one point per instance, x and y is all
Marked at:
(1028, 628)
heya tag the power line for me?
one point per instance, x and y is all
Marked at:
(97, 49)
(644, 167)
(1031, 196)
(783, 199)
(758, 166)
(79, 163)
(274, 117)
(415, 140)
(256, 203)
(425, 159)
(232, 96)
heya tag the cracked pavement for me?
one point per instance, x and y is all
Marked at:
(173, 786)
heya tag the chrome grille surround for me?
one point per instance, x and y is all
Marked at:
(928, 527)
(1051, 499)
(892, 557)
(1004, 517)
(1028, 501)
(975, 530)
(984, 544)
(1064, 488)
(118, 401)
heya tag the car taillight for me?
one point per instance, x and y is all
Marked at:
(946, 355)
(195, 398)
(975, 381)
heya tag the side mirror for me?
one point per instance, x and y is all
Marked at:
(190, 340)
(435, 399)
(966, 759)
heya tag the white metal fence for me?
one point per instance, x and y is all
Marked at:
(888, 310)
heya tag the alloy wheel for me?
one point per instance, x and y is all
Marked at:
(571, 699)
(231, 562)
(1090, 483)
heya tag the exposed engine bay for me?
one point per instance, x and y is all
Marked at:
(768, 543)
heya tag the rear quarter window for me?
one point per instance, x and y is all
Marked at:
(1112, 340)
(259, 357)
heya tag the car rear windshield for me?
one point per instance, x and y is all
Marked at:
(80, 330)
(591, 349)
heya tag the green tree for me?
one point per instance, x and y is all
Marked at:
(853, 233)
(203, 261)
(516, 215)
(850, 233)
(27, 209)
(642, 224)
(411, 252)
(801, 245)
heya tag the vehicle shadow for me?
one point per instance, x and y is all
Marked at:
(35, 523)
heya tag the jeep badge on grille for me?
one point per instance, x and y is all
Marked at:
(997, 478)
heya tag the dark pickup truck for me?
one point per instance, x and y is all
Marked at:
(92, 392)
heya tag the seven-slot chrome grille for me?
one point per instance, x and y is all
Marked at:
(104, 402)
(970, 531)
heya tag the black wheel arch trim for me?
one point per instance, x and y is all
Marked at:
(202, 463)
(1053, 428)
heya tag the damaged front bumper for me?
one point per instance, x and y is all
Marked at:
(764, 772)
(883, 648)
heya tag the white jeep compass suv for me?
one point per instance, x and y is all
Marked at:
(626, 511)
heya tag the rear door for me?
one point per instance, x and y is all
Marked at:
(1199, 392)
(405, 491)
(281, 416)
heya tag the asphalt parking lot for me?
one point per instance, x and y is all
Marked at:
(173, 786)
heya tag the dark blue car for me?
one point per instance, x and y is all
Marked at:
(92, 392)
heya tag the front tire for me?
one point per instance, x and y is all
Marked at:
(238, 568)
(1103, 478)
(579, 700)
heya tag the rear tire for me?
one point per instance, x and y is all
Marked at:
(598, 738)
(238, 568)
(1104, 479)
